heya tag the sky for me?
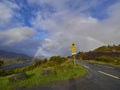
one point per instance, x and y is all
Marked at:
(48, 27)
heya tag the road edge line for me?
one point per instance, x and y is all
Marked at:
(109, 74)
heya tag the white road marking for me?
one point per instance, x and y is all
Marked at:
(85, 66)
(109, 74)
(108, 67)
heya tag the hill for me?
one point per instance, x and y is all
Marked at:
(114, 48)
(10, 58)
(6, 54)
(112, 51)
(93, 55)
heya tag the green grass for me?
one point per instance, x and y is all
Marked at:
(100, 62)
(64, 71)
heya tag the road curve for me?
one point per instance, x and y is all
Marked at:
(100, 77)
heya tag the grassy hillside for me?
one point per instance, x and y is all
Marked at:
(61, 69)
(112, 51)
(114, 48)
(105, 54)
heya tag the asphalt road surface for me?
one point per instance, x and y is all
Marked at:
(100, 77)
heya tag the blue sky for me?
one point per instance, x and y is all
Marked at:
(47, 27)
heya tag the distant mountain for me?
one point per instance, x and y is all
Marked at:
(6, 54)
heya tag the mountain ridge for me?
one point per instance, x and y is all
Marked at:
(8, 54)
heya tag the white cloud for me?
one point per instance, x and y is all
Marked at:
(88, 32)
(16, 35)
(67, 29)
(6, 12)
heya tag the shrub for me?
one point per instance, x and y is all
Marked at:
(44, 61)
(49, 64)
(66, 65)
(58, 59)
(114, 60)
(38, 63)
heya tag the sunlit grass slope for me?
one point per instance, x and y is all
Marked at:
(63, 71)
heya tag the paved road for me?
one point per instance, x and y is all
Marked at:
(100, 77)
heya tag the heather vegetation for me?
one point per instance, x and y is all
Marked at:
(109, 60)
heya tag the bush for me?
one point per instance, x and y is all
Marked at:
(38, 63)
(58, 59)
(108, 59)
(49, 64)
(66, 65)
(44, 61)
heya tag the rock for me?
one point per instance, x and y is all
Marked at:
(46, 72)
(19, 76)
